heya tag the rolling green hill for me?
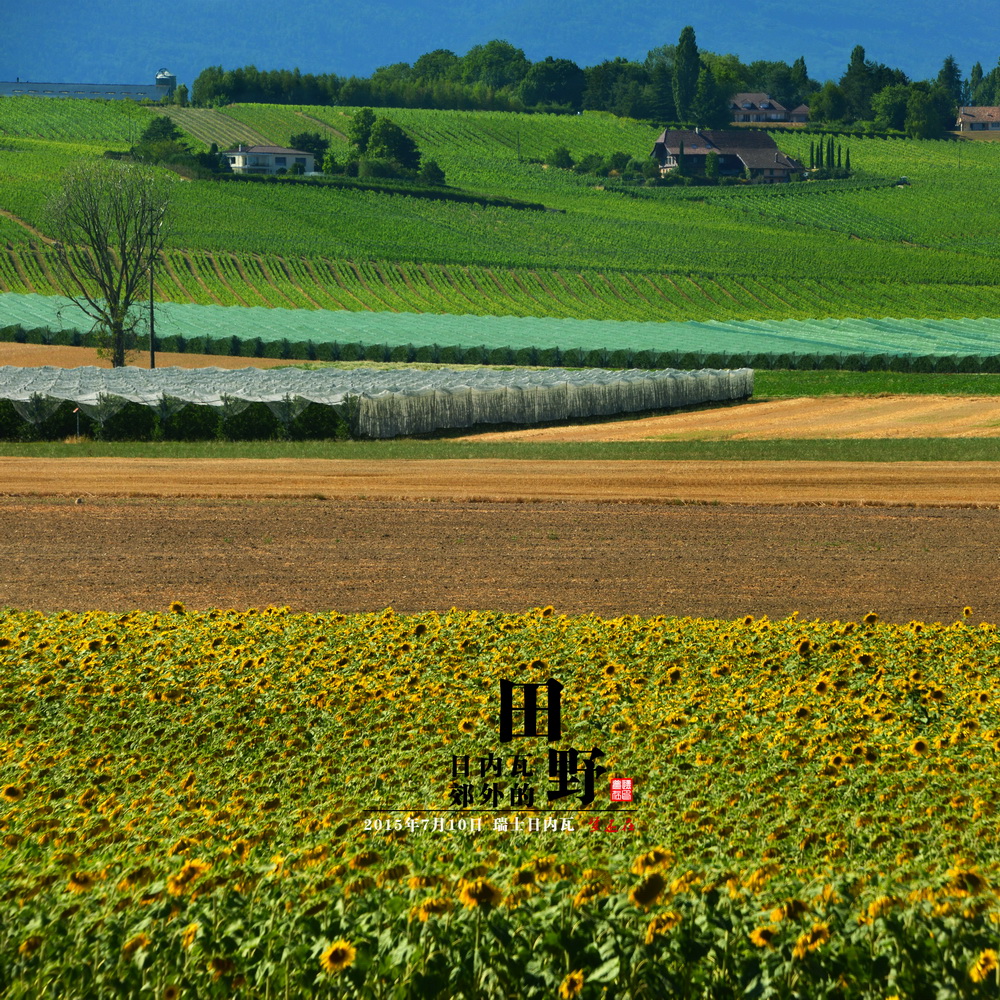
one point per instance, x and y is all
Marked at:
(604, 250)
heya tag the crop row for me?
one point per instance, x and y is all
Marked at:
(91, 121)
(275, 281)
(209, 125)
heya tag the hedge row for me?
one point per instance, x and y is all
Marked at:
(550, 357)
(135, 422)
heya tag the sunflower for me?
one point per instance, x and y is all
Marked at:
(877, 908)
(811, 940)
(190, 933)
(790, 909)
(651, 859)
(81, 882)
(11, 793)
(572, 985)
(364, 859)
(964, 880)
(30, 945)
(431, 908)
(983, 966)
(337, 956)
(763, 936)
(134, 944)
(177, 607)
(648, 891)
(480, 892)
(661, 924)
(919, 747)
(467, 725)
(171, 992)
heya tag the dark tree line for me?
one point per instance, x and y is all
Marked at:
(675, 83)
(498, 76)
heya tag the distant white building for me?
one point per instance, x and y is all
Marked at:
(164, 86)
(268, 160)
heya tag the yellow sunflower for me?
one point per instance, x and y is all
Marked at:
(337, 956)
(984, 966)
(763, 936)
(480, 892)
(572, 985)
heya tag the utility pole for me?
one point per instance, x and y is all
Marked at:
(152, 327)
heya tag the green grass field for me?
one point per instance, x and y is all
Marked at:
(861, 248)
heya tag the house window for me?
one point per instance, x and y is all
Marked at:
(300, 159)
(994, 124)
(279, 161)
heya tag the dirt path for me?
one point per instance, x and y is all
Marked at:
(35, 355)
(517, 481)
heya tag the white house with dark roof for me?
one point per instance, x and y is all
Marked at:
(268, 160)
(978, 120)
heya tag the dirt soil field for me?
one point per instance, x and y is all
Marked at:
(583, 537)
(829, 540)
(813, 417)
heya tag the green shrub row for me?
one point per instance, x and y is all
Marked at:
(548, 357)
(135, 422)
(385, 186)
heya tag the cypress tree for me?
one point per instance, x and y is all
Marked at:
(686, 67)
(838, 155)
(847, 160)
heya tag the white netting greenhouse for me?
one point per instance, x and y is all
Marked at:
(376, 403)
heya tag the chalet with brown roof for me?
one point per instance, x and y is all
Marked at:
(740, 153)
(268, 160)
(759, 108)
(978, 120)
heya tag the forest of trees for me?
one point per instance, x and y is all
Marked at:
(675, 83)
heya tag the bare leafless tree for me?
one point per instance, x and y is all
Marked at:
(108, 221)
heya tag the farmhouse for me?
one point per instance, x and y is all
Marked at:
(754, 154)
(764, 108)
(978, 120)
(164, 86)
(268, 160)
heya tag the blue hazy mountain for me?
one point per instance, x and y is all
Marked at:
(111, 41)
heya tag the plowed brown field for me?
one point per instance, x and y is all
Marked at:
(832, 540)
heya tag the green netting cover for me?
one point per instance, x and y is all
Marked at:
(378, 403)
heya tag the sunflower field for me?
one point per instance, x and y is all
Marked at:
(475, 804)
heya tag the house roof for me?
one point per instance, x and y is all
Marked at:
(700, 143)
(802, 109)
(758, 101)
(762, 159)
(280, 150)
(755, 149)
(979, 114)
